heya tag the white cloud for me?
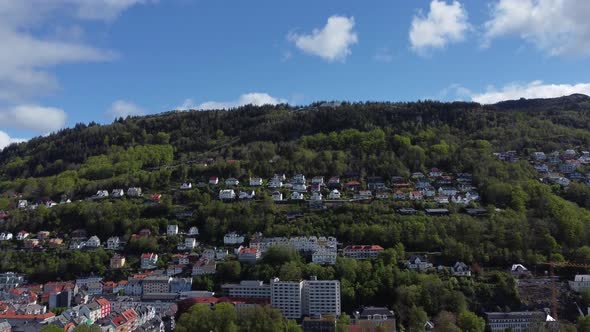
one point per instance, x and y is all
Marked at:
(333, 42)
(444, 24)
(535, 89)
(33, 117)
(254, 98)
(558, 27)
(6, 140)
(123, 109)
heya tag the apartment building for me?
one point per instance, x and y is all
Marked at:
(255, 289)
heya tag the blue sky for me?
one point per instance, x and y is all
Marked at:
(70, 61)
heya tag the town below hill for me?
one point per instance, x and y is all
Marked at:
(330, 217)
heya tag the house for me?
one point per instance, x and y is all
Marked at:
(373, 319)
(134, 192)
(382, 195)
(43, 235)
(145, 233)
(117, 262)
(173, 270)
(318, 180)
(569, 166)
(375, 183)
(315, 187)
(362, 251)
(518, 270)
(30, 243)
(441, 199)
(437, 212)
(186, 186)
(204, 267)
(316, 196)
(93, 242)
(255, 182)
(248, 255)
(220, 254)
(22, 235)
(365, 194)
(416, 196)
(233, 238)
(193, 231)
(520, 321)
(435, 172)
(418, 263)
(277, 196)
(353, 185)
(22, 204)
(334, 194)
(399, 195)
(149, 260)
(101, 194)
(232, 182)
(227, 194)
(172, 230)
(155, 198)
(273, 184)
(5, 236)
(580, 283)
(334, 183)
(49, 204)
(117, 193)
(569, 154)
(296, 196)
(247, 194)
(299, 178)
(113, 243)
(213, 180)
(299, 187)
(461, 269)
(190, 243)
(539, 156)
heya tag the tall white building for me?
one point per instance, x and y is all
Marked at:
(321, 297)
(286, 296)
(306, 298)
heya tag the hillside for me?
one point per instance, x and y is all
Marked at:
(477, 157)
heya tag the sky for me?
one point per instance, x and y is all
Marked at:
(64, 62)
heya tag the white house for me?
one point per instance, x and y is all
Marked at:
(117, 193)
(275, 184)
(113, 243)
(232, 182)
(316, 196)
(334, 194)
(22, 235)
(581, 282)
(300, 187)
(102, 194)
(193, 231)
(277, 196)
(233, 238)
(296, 196)
(149, 260)
(255, 182)
(134, 192)
(247, 194)
(299, 178)
(5, 236)
(93, 242)
(227, 194)
(318, 180)
(461, 269)
(190, 243)
(418, 263)
(172, 230)
(22, 204)
(204, 267)
(186, 186)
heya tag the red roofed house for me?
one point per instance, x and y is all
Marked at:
(156, 198)
(149, 260)
(126, 321)
(362, 251)
(213, 180)
(353, 185)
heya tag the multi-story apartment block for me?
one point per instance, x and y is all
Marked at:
(362, 251)
(286, 296)
(248, 289)
(321, 297)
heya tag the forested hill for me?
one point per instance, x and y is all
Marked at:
(532, 124)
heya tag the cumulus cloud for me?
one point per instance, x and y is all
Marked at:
(33, 117)
(535, 89)
(254, 98)
(123, 109)
(444, 24)
(558, 27)
(333, 42)
(6, 140)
